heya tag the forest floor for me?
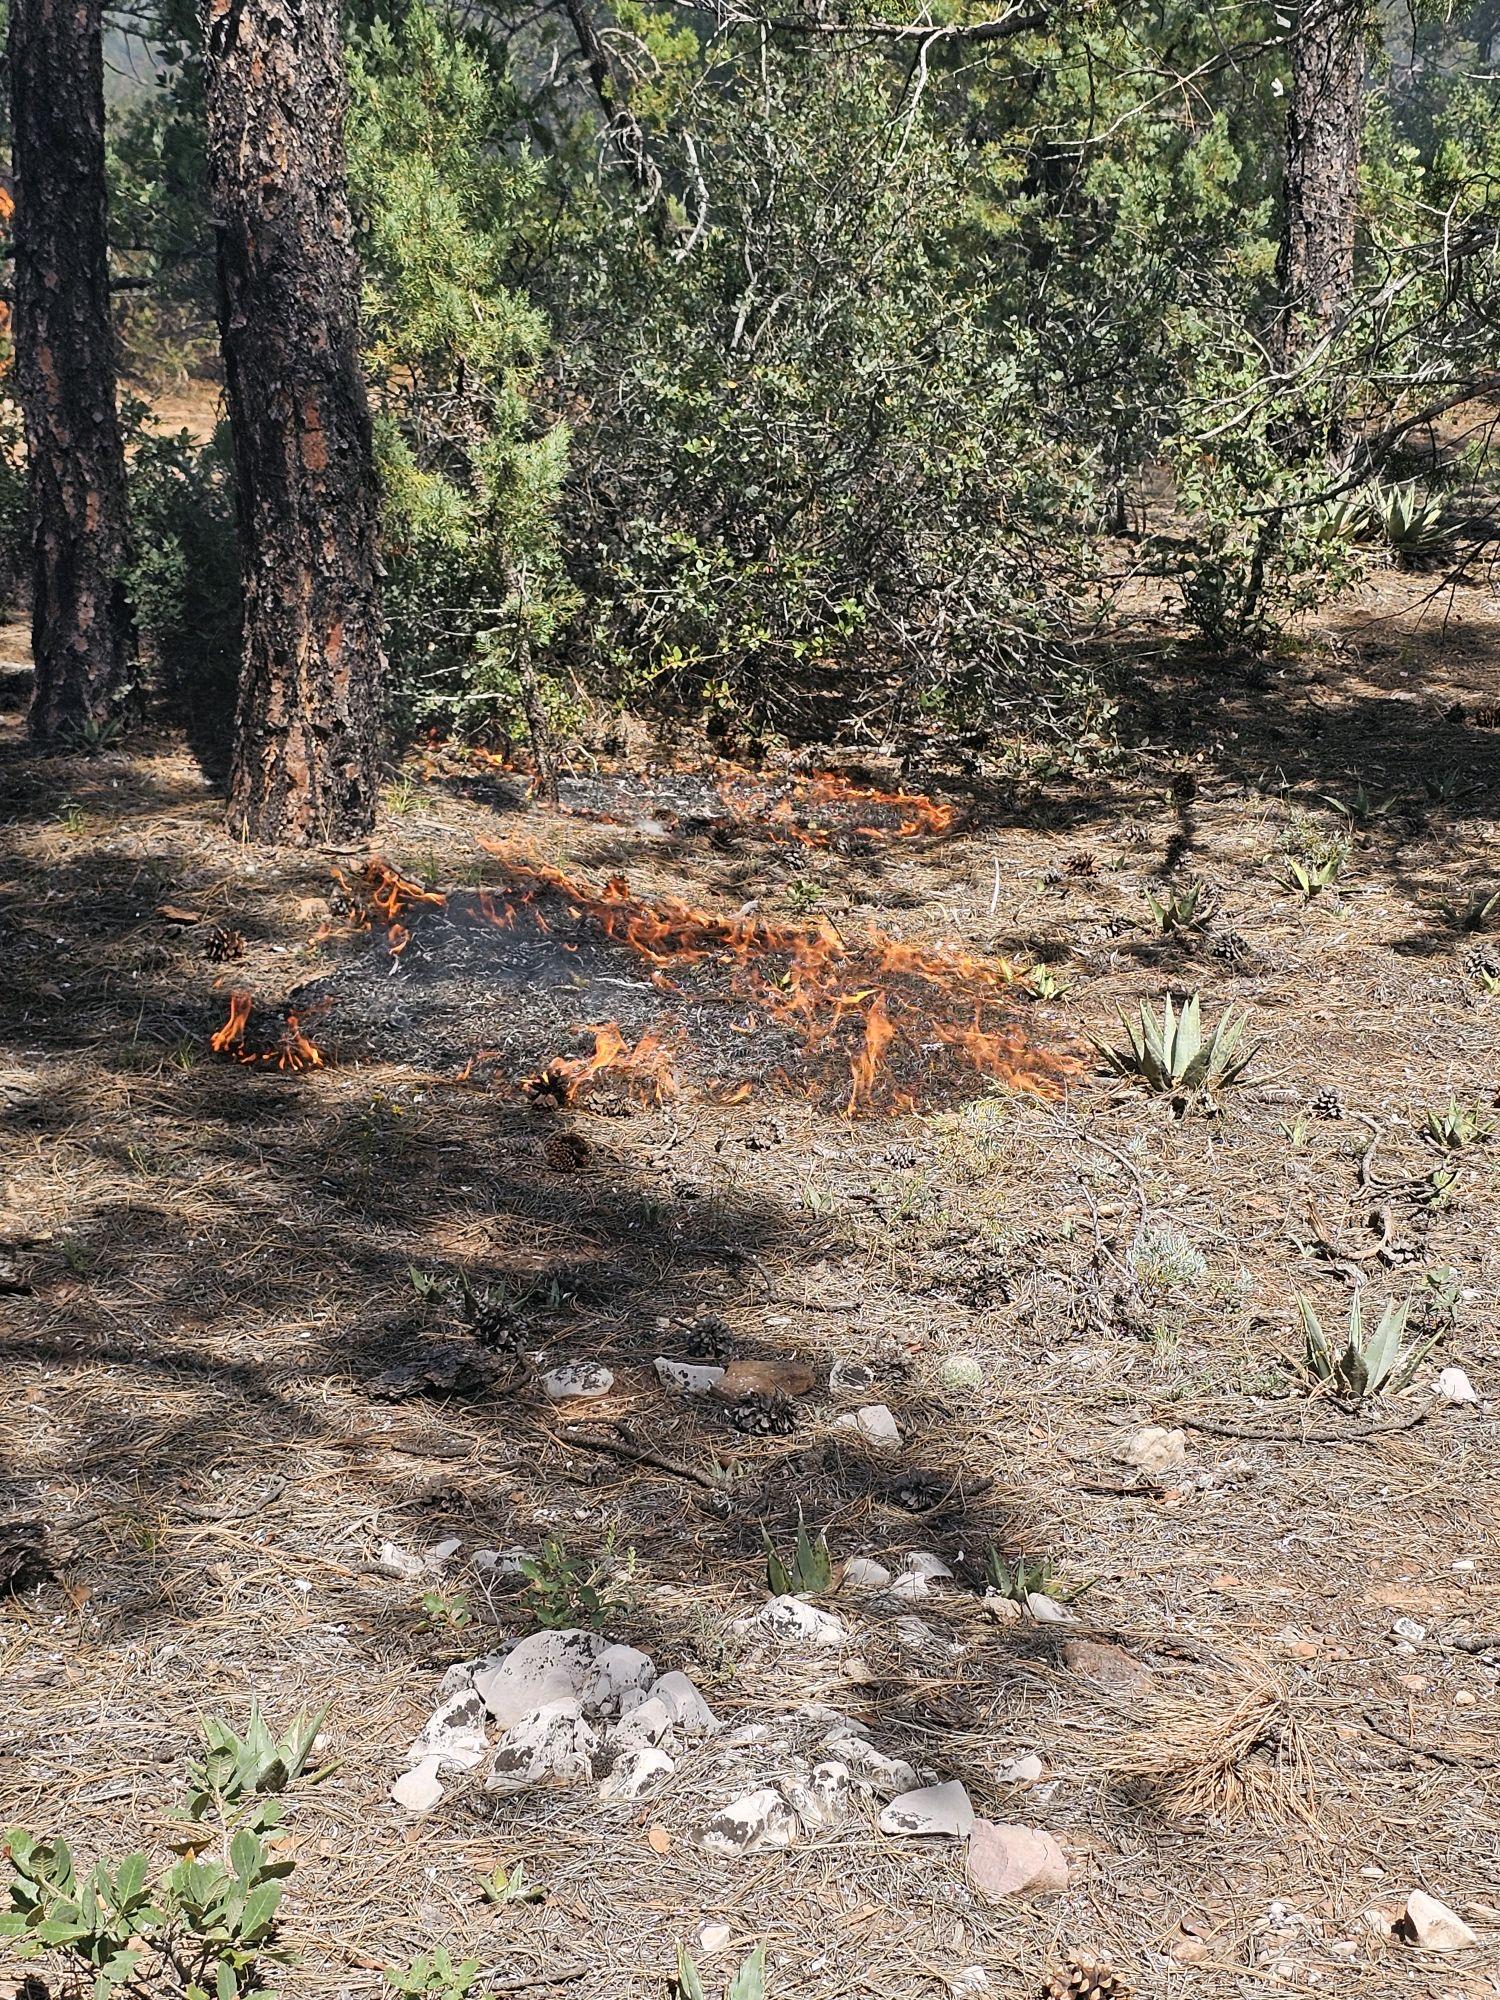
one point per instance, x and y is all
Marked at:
(1289, 1712)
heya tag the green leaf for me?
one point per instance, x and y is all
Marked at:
(260, 1910)
(225, 1983)
(749, 1983)
(689, 1984)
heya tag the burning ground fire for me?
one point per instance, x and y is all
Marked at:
(873, 1025)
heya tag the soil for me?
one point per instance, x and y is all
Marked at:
(209, 1270)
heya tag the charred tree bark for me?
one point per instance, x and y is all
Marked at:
(83, 639)
(1315, 265)
(312, 679)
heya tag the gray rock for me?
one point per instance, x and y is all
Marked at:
(687, 1708)
(544, 1667)
(752, 1824)
(864, 1573)
(793, 1620)
(942, 1810)
(1433, 1926)
(921, 1563)
(617, 1673)
(648, 1723)
(885, 1776)
(1046, 1610)
(639, 1774)
(823, 1799)
(575, 1379)
(553, 1745)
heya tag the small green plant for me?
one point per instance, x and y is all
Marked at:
(1295, 1132)
(1487, 981)
(1172, 1055)
(1346, 518)
(443, 1612)
(424, 1284)
(803, 895)
(1046, 984)
(1162, 1258)
(1183, 908)
(202, 1929)
(73, 820)
(502, 1886)
(249, 1772)
(401, 796)
(1443, 787)
(1365, 1364)
(1309, 878)
(809, 1571)
(748, 1983)
(1361, 806)
(1411, 522)
(564, 1590)
(1480, 910)
(91, 737)
(1026, 1576)
(433, 1976)
(1456, 1126)
(1443, 1287)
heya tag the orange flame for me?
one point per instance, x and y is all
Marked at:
(293, 1050)
(788, 816)
(645, 1070)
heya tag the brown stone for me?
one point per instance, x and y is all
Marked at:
(778, 1377)
(1106, 1665)
(1011, 1861)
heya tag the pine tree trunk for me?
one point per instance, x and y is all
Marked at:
(1315, 267)
(82, 634)
(311, 701)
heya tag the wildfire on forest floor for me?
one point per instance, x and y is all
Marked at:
(497, 982)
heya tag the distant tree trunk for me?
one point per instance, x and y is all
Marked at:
(1315, 267)
(312, 680)
(82, 634)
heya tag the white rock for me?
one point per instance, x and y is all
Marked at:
(973, 1979)
(418, 1790)
(887, 1777)
(875, 1425)
(454, 1737)
(793, 1619)
(935, 1809)
(688, 1378)
(649, 1722)
(544, 1667)
(1454, 1386)
(551, 1746)
(864, 1573)
(909, 1585)
(1022, 1771)
(1154, 1450)
(1004, 1610)
(442, 1552)
(1046, 1610)
(751, 1824)
(1433, 1926)
(687, 1708)
(498, 1562)
(575, 1379)
(822, 1799)
(1408, 1629)
(711, 1937)
(850, 1378)
(639, 1774)
(921, 1563)
(404, 1564)
(617, 1672)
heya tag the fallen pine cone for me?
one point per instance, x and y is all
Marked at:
(1086, 1980)
(223, 944)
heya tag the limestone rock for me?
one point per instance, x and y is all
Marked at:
(1432, 1926)
(639, 1774)
(553, 1745)
(689, 1711)
(1154, 1450)
(751, 1824)
(792, 1619)
(874, 1423)
(544, 1667)
(885, 1776)
(864, 1573)
(1453, 1386)
(417, 1791)
(942, 1810)
(576, 1380)
(688, 1378)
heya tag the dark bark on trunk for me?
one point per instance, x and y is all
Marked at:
(312, 679)
(1315, 267)
(82, 634)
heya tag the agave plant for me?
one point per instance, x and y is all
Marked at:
(1171, 1054)
(1366, 1364)
(1182, 908)
(748, 1983)
(1456, 1126)
(1410, 521)
(807, 1574)
(1348, 518)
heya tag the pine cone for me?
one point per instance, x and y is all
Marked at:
(764, 1416)
(565, 1152)
(1487, 715)
(1326, 1104)
(1482, 960)
(221, 944)
(708, 1339)
(1085, 1980)
(1082, 863)
(493, 1323)
(1230, 949)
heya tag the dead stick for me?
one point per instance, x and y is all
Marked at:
(637, 1456)
(1309, 1437)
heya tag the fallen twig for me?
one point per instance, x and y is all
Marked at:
(1309, 1437)
(637, 1455)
